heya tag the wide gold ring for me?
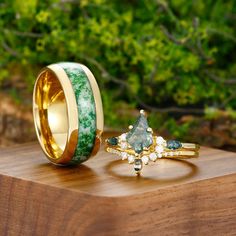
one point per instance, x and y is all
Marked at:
(68, 113)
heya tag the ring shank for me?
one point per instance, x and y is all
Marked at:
(190, 146)
(51, 115)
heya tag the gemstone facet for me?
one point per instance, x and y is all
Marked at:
(130, 159)
(123, 137)
(123, 145)
(173, 144)
(138, 137)
(124, 155)
(112, 141)
(160, 140)
(153, 156)
(159, 155)
(159, 149)
(138, 165)
(145, 159)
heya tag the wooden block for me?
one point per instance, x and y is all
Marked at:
(104, 197)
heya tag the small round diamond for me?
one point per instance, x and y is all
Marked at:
(124, 155)
(159, 149)
(153, 156)
(159, 155)
(171, 154)
(165, 154)
(145, 160)
(123, 145)
(160, 140)
(123, 137)
(131, 159)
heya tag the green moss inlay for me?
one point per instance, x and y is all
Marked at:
(86, 110)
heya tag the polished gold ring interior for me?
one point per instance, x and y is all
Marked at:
(67, 125)
(139, 146)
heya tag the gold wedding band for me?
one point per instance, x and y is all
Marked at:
(68, 113)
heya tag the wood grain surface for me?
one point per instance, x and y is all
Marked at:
(104, 197)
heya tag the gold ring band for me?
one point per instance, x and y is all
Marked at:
(139, 145)
(68, 114)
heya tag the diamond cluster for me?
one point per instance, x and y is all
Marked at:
(140, 141)
(160, 150)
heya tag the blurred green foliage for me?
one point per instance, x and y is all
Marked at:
(169, 57)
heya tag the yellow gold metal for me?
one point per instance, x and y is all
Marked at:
(188, 150)
(140, 146)
(181, 153)
(192, 146)
(55, 114)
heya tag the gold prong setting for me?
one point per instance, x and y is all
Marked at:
(159, 147)
(131, 127)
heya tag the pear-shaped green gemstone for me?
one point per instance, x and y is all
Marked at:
(138, 137)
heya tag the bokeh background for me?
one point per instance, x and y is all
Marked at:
(176, 59)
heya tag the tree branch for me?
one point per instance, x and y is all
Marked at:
(106, 74)
(170, 36)
(228, 100)
(224, 34)
(27, 34)
(229, 81)
(179, 110)
(201, 52)
(10, 50)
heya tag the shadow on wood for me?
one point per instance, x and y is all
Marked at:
(104, 197)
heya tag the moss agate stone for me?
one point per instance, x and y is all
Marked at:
(173, 144)
(86, 111)
(138, 137)
(113, 141)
